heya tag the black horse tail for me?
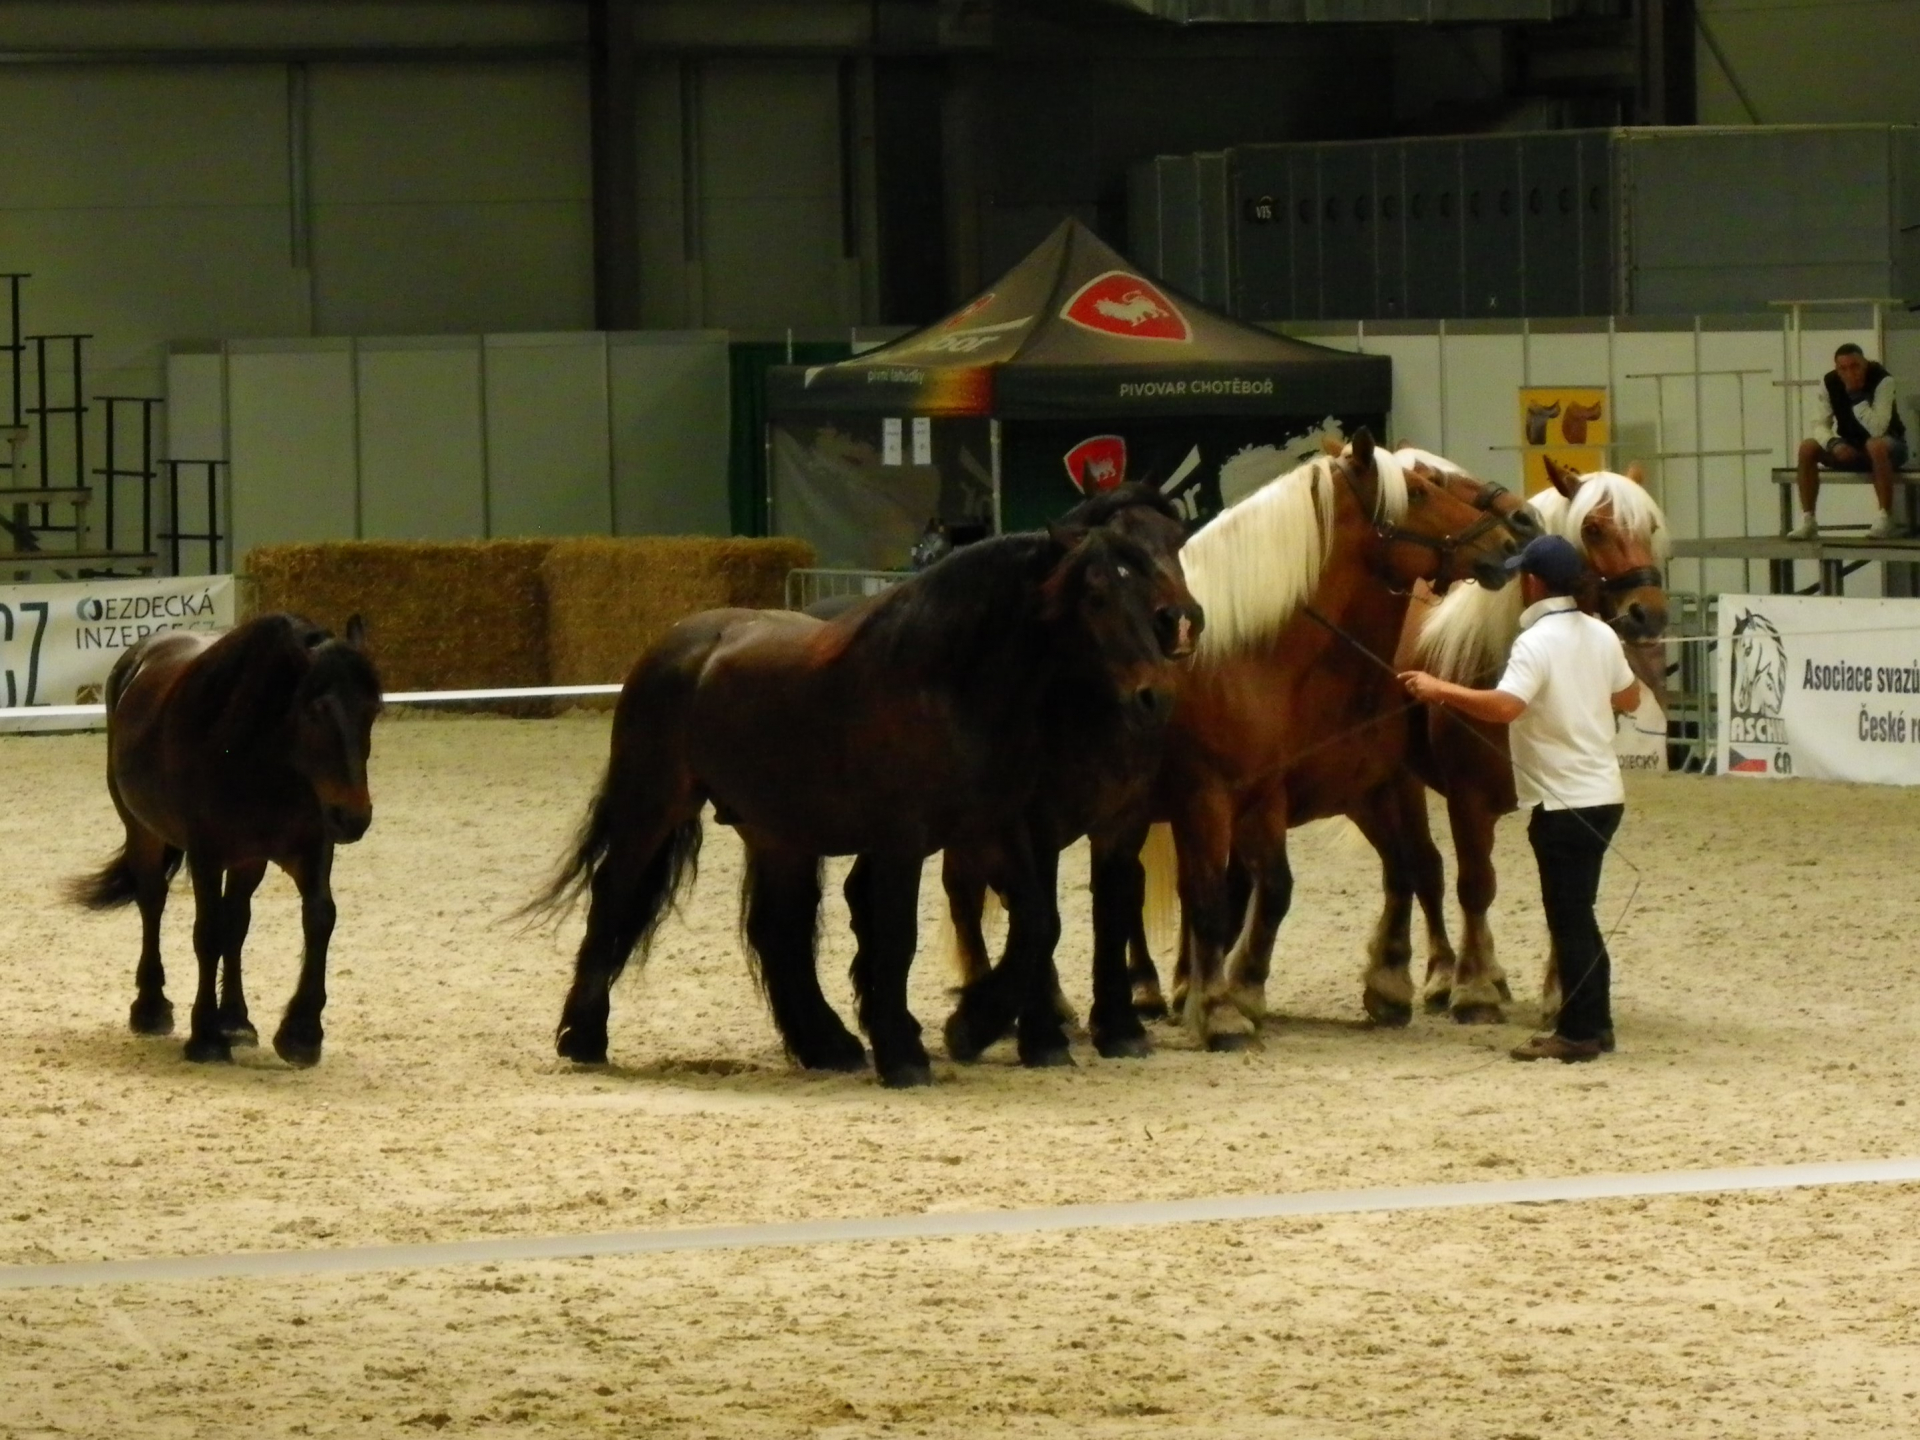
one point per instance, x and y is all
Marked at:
(114, 884)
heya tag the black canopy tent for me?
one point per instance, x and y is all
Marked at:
(1072, 373)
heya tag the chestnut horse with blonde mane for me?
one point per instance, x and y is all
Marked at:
(1292, 712)
(1619, 529)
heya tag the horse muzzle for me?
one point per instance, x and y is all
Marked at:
(1491, 574)
(1177, 628)
(1641, 620)
(346, 824)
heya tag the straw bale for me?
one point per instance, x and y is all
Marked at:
(440, 616)
(609, 600)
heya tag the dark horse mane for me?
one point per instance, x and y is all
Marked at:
(972, 601)
(248, 680)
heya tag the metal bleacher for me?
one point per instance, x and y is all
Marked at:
(1837, 552)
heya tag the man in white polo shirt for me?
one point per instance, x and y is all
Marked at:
(1566, 677)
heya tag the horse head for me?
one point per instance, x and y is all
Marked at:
(1520, 518)
(1425, 529)
(1152, 522)
(1107, 599)
(1621, 531)
(333, 713)
(1759, 665)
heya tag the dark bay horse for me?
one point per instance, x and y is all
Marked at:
(910, 724)
(1099, 768)
(1620, 530)
(1291, 712)
(234, 753)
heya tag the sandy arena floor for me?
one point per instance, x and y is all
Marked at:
(1766, 1001)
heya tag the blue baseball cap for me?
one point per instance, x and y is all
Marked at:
(1553, 559)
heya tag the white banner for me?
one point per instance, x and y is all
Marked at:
(1819, 686)
(57, 642)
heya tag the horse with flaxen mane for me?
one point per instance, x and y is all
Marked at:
(1291, 711)
(233, 753)
(1620, 530)
(910, 724)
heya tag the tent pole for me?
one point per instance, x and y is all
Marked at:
(993, 440)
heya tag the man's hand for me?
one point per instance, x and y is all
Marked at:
(1421, 686)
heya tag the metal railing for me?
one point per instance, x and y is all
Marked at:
(804, 587)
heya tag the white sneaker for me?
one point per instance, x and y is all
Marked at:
(1882, 527)
(1807, 529)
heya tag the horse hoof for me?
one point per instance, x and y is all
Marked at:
(1437, 1002)
(240, 1034)
(1384, 1011)
(208, 1050)
(1151, 1011)
(301, 1054)
(1122, 1047)
(905, 1077)
(1046, 1057)
(151, 1019)
(580, 1048)
(1223, 1042)
(1479, 1015)
(961, 1046)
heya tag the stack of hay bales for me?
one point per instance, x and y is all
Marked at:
(440, 616)
(609, 600)
(502, 614)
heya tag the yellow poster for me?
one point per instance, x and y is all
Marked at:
(1569, 422)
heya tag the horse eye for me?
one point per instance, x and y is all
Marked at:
(1124, 572)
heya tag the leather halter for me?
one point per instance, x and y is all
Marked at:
(1641, 577)
(1443, 545)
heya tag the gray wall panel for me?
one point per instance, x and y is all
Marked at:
(290, 428)
(1490, 226)
(1550, 223)
(1433, 228)
(1347, 230)
(670, 397)
(422, 450)
(450, 198)
(1264, 232)
(1390, 232)
(548, 450)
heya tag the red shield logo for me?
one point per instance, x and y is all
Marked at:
(1097, 463)
(1117, 303)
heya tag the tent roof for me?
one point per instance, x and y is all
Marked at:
(1074, 329)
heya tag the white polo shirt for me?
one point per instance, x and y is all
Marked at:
(1567, 667)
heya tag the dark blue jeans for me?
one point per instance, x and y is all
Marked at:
(1570, 846)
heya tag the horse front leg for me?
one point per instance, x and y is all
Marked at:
(889, 892)
(237, 918)
(962, 877)
(205, 1043)
(1203, 841)
(1430, 888)
(300, 1036)
(1387, 984)
(782, 909)
(1033, 935)
(1152, 872)
(1251, 962)
(1119, 893)
(1479, 985)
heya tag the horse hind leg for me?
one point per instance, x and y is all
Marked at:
(1114, 1023)
(236, 919)
(634, 882)
(1387, 992)
(151, 863)
(780, 909)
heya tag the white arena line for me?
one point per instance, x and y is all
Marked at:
(392, 697)
(359, 1259)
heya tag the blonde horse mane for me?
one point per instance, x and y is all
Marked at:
(1471, 631)
(1255, 564)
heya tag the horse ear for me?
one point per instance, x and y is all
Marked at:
(1362, 445)
(1636, 473)
(357, 632)
(1065, 536)
(1565, 479)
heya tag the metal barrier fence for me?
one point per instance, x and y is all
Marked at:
(1692, 707)
(806, 586)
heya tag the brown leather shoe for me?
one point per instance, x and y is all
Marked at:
(1557, 1047)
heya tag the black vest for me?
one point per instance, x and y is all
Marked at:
(1846, 424)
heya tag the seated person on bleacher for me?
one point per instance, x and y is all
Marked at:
(1859, 429)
